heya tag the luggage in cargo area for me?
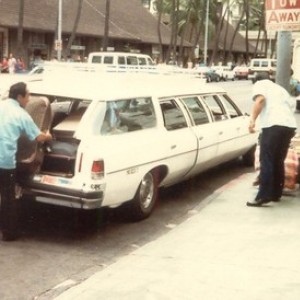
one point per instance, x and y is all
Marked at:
(59, 158)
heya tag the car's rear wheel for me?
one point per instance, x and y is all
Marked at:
(145, 198)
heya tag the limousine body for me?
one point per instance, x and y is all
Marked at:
(118, 139)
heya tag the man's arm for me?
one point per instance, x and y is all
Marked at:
(43, 137)
(256, 110)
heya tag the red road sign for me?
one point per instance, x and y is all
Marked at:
(282, 15)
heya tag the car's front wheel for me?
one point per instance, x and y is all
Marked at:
(145, 198)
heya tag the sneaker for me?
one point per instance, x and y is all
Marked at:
(257, 203)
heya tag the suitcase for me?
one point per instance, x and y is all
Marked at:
(30, 153)
(291, 167)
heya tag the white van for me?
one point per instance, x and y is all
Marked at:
(121, 60)
(258, 65)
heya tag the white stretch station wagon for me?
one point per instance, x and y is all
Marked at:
(119, 138)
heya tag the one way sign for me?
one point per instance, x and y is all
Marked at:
(282, 15)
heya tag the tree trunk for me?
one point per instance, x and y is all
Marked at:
(170, 47)
(160, 11)
(174, 50)
(236, 31)
(73, 34)
(20, 48)
(183, 34)
(225, 52)
(246, 8)
(219, 21)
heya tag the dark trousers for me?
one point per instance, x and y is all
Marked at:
(9, 203)
(274, 145)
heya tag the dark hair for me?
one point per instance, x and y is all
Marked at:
(17, 89)
(262, 76)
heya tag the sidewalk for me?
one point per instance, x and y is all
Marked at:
(226, 251)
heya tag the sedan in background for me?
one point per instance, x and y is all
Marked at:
(241, 72)
(212, 75)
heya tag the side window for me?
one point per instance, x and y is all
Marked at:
(97, 59)
(108, 60)
(150, 62)
(264, 64)
(121, 60)
(132, 60)
(273, 64)
(256, 63)
(215, 107)
(142, 61)
(173, 115)
(230, 106)
(128, 115)
(196, 110)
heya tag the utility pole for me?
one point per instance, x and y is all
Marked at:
(284, 58)
(106, 28)
(59, 41)
(206, 32)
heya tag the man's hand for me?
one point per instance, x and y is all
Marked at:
(251, 126)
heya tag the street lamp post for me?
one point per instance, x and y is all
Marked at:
(206, 32)
(59, 41)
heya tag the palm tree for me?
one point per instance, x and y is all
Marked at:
(189, 18)
(76, 23)
(20, 48)
(159, 6)
(218, 21)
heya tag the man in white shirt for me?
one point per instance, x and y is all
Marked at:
(275, 109)
(12, 64)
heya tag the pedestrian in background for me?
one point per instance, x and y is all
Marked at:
(14, 121)
(275, 109)
(12, 64)
(4, 65)
(20, 65)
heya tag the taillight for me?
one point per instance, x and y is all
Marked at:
(80, 162)
(97, 170)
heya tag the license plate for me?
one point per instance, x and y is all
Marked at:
(49, 179)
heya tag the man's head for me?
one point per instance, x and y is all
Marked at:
(20, 93)
(262, 76)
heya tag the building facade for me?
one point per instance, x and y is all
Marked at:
(132, 28)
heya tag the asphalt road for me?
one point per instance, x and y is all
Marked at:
(60, 247)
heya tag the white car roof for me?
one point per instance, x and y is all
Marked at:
(119, 53)
(113, 86)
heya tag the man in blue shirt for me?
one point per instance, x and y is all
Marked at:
(14, 121)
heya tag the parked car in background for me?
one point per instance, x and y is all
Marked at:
(225, 72)
(212, 75)
(202, 71)
(207, 73)
(241, 72)
(102, 135)
(258, 65)
(121, 60)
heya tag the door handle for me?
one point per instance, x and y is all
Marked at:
(173, 147)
